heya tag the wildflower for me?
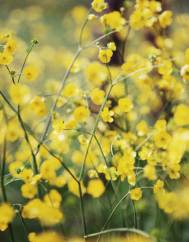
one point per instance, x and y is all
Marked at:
(53, 198)
(136, 194)
(47, 215)
(99, 5)
(58, 124)
(165, 19)
(74, 188)
(81, 113)
(97, 96)
(181, 115)
(125, 105)
(38, 106)
(70, 90)
(111, 46)
(105, 55)
(29, 190)
(10, 45)
(19, 93)
(96, 77)
(48, 169)
(7, 215)
(113, 20)
(48, 236)
(5, 58)
(95, 188)
(106, 115)
(140, 19)
(162, 139)
(158, 186)
(31, 73)
(150, 172)
(165, 67)
(160, 125)
(142, 128)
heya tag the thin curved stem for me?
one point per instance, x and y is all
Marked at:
(132, 230)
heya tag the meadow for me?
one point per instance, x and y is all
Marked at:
(94, 120)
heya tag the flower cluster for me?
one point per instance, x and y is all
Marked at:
(115, 127)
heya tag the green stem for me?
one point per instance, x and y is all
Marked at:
(132, 230)
(10, 228)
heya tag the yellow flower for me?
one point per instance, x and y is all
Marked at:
(46, 214)
(11, 45)
(136, 194)
(6, 215)
(158, 187)
(165, 67)
(58, 124)
(105, 55)
(28, 190)
(106, 115)
(112, 46)
(150, 172)
(113, 20)
(99, 5)
(49, 236)
(96, 77)
(142, 128)
(38, 106)
(53, 198)
(97, 96)
(81, 114)
(142, 18)
(74, 188)
(125, 105)
(162, 139)
(165, 19)
(95, 188)
(31, 72)
(19, 93)
(70, 90)
(181, 115)
(5, 58)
